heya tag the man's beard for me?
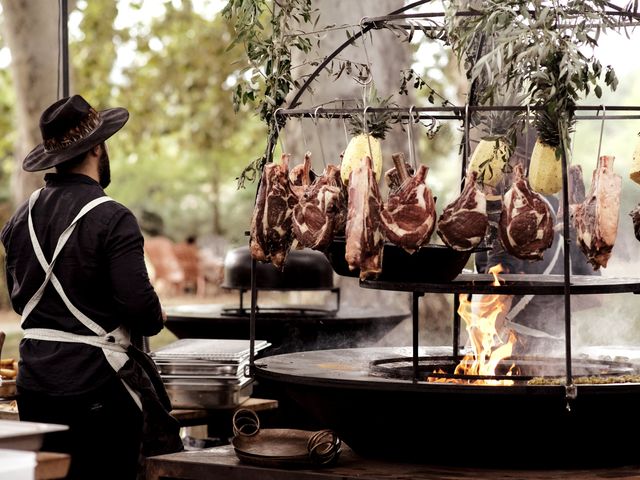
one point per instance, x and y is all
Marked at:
(104, 169)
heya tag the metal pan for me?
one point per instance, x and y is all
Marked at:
(200, 396)
(281, 447)
(288, 448)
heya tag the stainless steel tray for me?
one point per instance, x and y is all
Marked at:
(208, 349)
(207, 396)
(17, 435)
(176, 367)
(203, 381)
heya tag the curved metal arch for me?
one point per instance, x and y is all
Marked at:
(296, 99)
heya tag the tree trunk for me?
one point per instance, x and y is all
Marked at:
(325, 138)
(388, 56)
(31, 32)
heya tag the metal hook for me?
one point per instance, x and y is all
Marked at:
(526, 138)
(315, 121)
(412, 152)
(465, 147)
(275, 118)
(366, 131)
(601, 131)
(366, 54)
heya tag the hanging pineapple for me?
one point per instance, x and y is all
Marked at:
(545, 167)
(366, 142)
(635, 163)
(489, 159)
(491, 156)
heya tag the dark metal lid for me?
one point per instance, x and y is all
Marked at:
(304, 269)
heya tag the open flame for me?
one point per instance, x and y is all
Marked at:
(482, 316)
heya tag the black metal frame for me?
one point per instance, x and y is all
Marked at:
(539, 286)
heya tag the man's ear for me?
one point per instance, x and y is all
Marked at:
(96, 150)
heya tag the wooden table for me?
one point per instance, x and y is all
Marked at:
(52, 465)
(222, 463)
(219, 422)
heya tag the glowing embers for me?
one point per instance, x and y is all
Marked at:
(489, 343)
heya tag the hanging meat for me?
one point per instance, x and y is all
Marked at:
(321, 213)
(596, 219)
(576, 196)
(364, 237)
(464, 222)
(526, 220)
(392, 176)
(635, 216)
(409, 217)
(271, 233)
(301, 176)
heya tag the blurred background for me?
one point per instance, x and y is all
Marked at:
(176, 164)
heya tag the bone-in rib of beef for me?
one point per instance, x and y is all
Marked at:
(364, 237)
(596, 219)
(301, 176)
(393, 176)
(271, 233)
(526, 220)
(321, 213)
(409, 217)
(464, 222)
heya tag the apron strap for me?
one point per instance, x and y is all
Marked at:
(48, 267)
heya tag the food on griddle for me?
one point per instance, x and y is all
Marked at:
(596, 219)
(526, 220)
(591, 379)
(8, 368)
(364, 237)
(321, 213)
(634, 173)
(271, 230)
(464, 222)
(635, 215)
(409, 217)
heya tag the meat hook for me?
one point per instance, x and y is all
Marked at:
(412, 150)
(601, 131)
(275, 117)
(315, 122)
(366, 131)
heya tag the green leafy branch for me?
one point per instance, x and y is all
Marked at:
(267, 80)
(539, 48)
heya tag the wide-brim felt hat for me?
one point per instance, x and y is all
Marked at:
(69, 128)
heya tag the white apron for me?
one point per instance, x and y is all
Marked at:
(113, 344)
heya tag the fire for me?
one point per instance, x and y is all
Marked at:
(481, 317)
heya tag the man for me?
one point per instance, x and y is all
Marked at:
(76, 274)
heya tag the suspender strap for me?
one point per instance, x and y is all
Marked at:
(48, 267)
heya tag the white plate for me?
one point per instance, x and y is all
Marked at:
(18, 435)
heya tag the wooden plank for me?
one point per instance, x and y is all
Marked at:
(255, 404)
(222, 463)
(52, 465)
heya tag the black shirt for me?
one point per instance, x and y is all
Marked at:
(102, 271)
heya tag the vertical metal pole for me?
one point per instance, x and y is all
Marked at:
(252, 316)
(64, 46)
(569, 387)
(456, 325)
(416, 327)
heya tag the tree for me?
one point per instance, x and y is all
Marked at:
(34, 68)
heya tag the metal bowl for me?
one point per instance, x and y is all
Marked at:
(431, 263)
(303, 270)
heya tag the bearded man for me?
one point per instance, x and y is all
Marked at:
(76, 275)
